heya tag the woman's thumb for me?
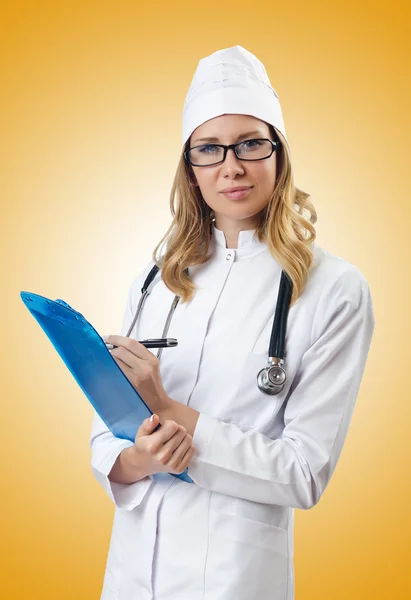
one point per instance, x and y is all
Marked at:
(153, 420)
(147, 426)
(152, 423)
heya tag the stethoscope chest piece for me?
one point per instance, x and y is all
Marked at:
(271, 379)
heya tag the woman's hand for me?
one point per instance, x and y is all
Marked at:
(142, 369)
(168, 450)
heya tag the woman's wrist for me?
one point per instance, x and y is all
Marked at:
(180, 413)
(129, 467)
(138, 462)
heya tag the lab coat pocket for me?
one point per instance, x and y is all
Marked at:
(251, 406)
(246, 558)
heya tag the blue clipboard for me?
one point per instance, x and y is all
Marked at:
(85, 354)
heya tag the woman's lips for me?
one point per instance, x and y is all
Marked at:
(237, 195)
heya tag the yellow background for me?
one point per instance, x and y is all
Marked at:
(91, 102)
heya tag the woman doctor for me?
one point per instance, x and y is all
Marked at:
(253, 457)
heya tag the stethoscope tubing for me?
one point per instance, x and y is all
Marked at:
(271, 379)
(278, 332)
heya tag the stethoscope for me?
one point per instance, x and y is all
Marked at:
(270, 379)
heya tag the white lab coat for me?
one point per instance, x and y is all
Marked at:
(229, 535)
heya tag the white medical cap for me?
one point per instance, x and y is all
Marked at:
(230, 81)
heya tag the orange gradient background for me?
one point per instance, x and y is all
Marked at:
(91, 104)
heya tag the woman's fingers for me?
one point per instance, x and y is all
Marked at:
(182, 454)
(165, 453)
(159, 438)
(186, 460)
(171, 447)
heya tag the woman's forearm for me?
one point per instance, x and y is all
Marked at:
(181, 414)
(127, 469)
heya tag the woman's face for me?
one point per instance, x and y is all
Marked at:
(233, 172)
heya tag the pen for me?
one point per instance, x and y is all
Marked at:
(155, 343)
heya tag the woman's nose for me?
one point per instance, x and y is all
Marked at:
(232, 163)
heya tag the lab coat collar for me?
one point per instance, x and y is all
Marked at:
(248, 243)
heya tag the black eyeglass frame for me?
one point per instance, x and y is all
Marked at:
(274, 146)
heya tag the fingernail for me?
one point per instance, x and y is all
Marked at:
(151, 418)
(105, 337)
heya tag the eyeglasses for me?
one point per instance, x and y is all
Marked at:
(213, 154)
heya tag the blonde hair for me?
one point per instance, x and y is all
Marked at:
(282, 225)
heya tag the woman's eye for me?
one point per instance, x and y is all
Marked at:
(208, 148)
(252, 143)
